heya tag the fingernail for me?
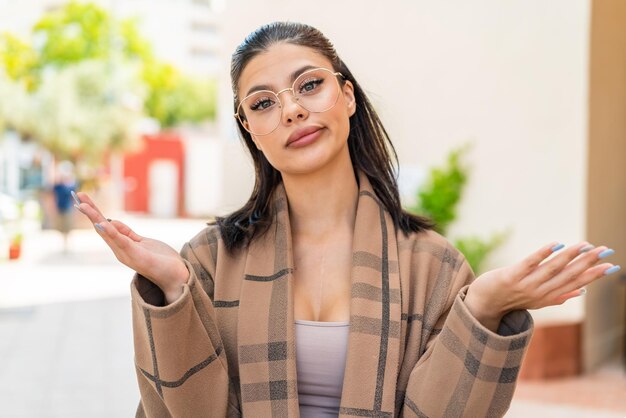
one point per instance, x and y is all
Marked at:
(557, 247)
(100, 227)
(606, 253)
(77, 208)
(586, 248)
(612, 270)
(76, 199)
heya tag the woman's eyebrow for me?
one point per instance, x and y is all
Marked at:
(299, 71)
(292, 78)
(258, 87)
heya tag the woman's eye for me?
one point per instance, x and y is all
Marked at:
(261, 104)
(310, 85)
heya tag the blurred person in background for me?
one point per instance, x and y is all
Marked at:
(385, 315)
(62, 189)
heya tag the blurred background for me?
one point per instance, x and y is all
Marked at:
(508, 119)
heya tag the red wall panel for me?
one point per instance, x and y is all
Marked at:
(162, 146)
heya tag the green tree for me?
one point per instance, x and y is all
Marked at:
(477, 249)
(85, 31)
(438, 199)
(83, 72)
(18, 59)
(173, 98)
(83, 118)
(16, 106)
(440, 194)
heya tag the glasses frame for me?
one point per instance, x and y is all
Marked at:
(293, 94)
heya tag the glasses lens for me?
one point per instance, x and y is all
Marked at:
(260, 112)
(316, 90)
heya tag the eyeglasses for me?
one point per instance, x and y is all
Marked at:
(316, 90)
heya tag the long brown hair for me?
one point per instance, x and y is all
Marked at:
(371, 150)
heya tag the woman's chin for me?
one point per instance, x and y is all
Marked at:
(316, 157)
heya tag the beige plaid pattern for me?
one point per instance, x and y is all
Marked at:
(226, 348)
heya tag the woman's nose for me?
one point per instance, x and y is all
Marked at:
(292, 110)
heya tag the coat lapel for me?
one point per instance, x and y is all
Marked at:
(372, 364)
(266, 330)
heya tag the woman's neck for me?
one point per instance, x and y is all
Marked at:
(323, 201)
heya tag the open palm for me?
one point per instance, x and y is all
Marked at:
(151, 258)
(540, 280)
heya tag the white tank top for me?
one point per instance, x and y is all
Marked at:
(321, 350)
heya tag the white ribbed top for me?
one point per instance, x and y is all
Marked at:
(321, 350)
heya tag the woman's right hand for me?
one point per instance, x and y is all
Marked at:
(153, 259)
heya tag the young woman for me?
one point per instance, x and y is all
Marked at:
(384, 314)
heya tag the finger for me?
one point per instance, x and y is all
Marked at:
(91, 212)
(114, 239)
(567, 296)
(76, 199)
(125, 230)
(552, 267)
(530, 263)
(588, 276)
(575, 268)
(118, 242)
(86, 200)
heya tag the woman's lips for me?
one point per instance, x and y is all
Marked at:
(305, 139)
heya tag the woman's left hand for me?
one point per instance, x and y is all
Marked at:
(537, 281)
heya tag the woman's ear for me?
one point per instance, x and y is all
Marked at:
(348, 94)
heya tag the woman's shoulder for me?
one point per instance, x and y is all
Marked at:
(424, 237)
(430, 243)
(208, 236)
(210, 239)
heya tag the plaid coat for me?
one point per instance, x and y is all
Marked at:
(226, 347)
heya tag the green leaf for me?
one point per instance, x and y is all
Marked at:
(476, 249)
(439, 196)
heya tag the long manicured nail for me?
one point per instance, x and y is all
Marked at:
(612, 270)
(586, 248)
(606, 253)
(77, 208)
(557, 247)
(76, 199)
(100, 227)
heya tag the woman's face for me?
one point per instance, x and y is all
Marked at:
(327, 132)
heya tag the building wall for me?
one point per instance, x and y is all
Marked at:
(606, 221)
(511, 76)
(203, 167)
(183, 32)
(139, 187)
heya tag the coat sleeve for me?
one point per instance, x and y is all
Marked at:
(179, 357)
(467, 370)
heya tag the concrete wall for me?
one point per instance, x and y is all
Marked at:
(606, 206)
(512, 76)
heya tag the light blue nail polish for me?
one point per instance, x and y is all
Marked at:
(100, 227)
(77, 208)
(612, 270)
(76, 199)
(586, 249)
(606, 253)
(557, 247)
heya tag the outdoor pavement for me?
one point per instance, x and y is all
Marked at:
(66, 340)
